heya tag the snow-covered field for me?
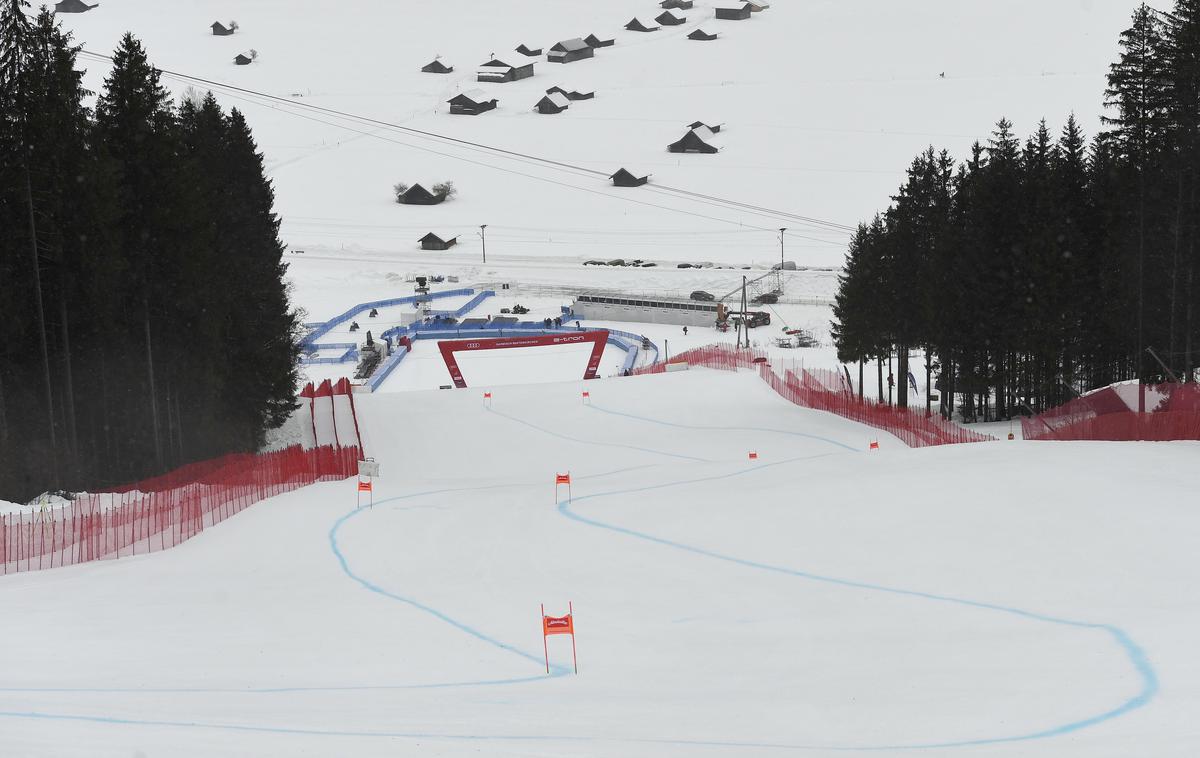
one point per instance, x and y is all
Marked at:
(1004, 599)
(824, 105)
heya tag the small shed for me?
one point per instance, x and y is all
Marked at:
(418, 195)
(570, 50)
(714, 128)
(498, 71)
(471, 103)
(242, 60)
(220, 30)
(700, 34)
(682, 5)
(73, 6)
(638, 25)
(594, 41)
(571, 94)
(733, 11)
(667, 18)
(695, 141)
(555, 102)
(626, 178)
(436, 66)
(528, 51)
(433, 242)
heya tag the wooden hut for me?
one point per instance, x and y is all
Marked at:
(714, 128)
(700, 34)
(667, 18)
(529, 51)
(594, 41)
(73, 6)
(436, 66)
(638, 25)
(471, 103)
(433, 242)
(571, 94)
(733, 11)
(695, 141)
(498, 71)
(555, 102)
(242, 60)
(569, 50)
(418, 195)
(625, 178)
(220, 30)
(682, 5)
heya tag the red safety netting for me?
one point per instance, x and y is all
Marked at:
(164, 511)
(827, 390)
(1172, 413)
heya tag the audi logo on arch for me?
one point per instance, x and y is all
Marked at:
(473, 345)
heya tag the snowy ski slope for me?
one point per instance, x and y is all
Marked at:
(1002, 599)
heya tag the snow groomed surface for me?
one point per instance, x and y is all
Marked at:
(821, 599)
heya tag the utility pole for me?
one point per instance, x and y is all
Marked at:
(782, 229)
(483, 236)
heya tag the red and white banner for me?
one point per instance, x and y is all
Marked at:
(597, 339)
(552, 625)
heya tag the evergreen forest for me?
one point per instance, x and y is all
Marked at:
(1037, 269)
(144, 319)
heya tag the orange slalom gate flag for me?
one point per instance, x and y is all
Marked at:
(562, 479)
(558, 625)
(364, 486)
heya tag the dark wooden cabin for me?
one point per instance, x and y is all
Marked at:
(695, 141)
(220, 30)
(433, 242)
(529, 51)
(714, 128)
(73, 6)
(594, 41)
(555, 102)
(625, 178)
(242, 60)
(667, 18)
(436, 67)
(418, 195)
(638, 25)
(682, 5)
(471, 103)
(570, 50)
(498, 71)
(736, 11)
(700, 34)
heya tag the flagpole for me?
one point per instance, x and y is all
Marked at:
(545, 646)
(571, 612)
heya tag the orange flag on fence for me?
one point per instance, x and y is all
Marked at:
(364, 486)
(562, 479)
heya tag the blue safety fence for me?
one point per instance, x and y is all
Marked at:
(350, 353)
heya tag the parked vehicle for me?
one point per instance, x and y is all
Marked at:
(703, 296)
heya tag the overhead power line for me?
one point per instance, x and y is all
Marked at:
(711, 200)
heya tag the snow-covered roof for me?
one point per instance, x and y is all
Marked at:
(704, 133)
(736, 5)
(570, 45)
(476, 95)
(636, 21)
(558, 99)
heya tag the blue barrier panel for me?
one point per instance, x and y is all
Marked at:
(389, 365)
(328, 326)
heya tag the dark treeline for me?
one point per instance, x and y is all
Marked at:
(144, 322)
(1040, 269)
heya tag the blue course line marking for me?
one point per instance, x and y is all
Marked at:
(1137, 657)
(788, 432)
(569, 438)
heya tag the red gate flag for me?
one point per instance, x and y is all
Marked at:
(586, 393)
(557, 625)
(753, 455)
(487, 396)
(552, 625)
(874, 444)
(364, 486)
(562, 479)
